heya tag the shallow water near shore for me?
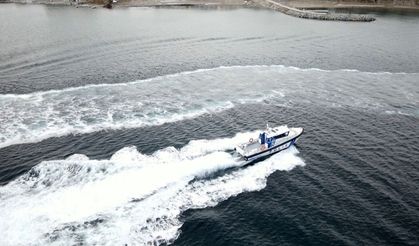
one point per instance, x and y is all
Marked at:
(117, 127)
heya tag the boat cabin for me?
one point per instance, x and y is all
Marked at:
(272, 134)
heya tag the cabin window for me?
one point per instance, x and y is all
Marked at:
(282, 135)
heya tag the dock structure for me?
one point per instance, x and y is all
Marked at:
(307, 14)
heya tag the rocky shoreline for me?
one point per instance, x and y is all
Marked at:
(307, 9)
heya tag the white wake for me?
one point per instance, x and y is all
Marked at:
(37, 116)
(131, 198)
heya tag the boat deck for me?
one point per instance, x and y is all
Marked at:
(255, 147)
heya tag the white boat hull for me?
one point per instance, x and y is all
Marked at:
(271, 151)
(255, 150)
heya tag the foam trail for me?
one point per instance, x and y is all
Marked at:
(37, 116)
(131, 198)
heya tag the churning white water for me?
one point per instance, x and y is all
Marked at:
(130, 198)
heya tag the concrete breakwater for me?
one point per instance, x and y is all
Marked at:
(271, 4)
(311, 14)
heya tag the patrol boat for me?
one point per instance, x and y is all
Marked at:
(270, 141)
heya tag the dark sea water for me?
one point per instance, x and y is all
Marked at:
(116, 127)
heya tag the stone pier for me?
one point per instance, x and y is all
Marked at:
(311, 14)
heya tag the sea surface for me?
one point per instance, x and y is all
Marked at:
(117, 127)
